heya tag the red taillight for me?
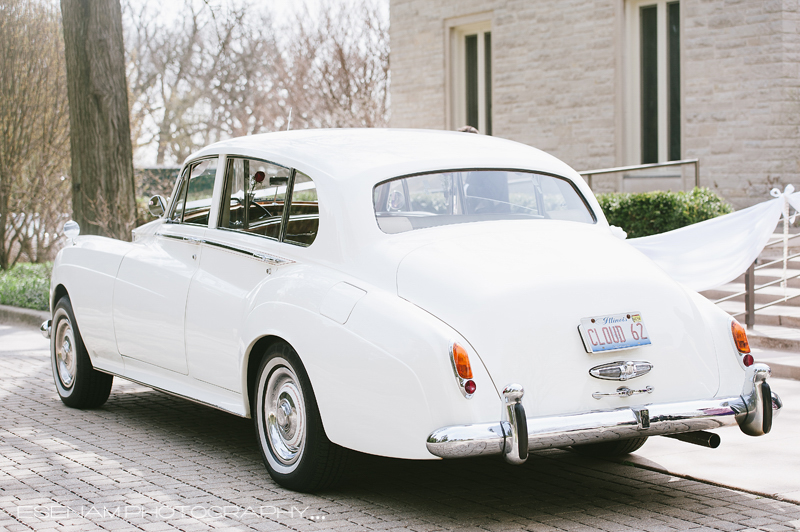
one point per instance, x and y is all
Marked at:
(748, 360)
(461, 361)
(470, 387)
(740, 339)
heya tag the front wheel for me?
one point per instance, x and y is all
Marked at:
(79, 385)
(288, 425)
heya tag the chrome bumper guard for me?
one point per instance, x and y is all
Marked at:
(753, 411)
(45, 328)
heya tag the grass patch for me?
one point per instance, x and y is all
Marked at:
(26, 285)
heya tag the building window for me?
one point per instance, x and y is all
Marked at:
(654, 81)
(471, 76)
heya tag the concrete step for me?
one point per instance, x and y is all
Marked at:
(765, 295)
(778, 315)
(774, 337)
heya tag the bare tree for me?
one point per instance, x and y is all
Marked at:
(102, 164)
(34, 132)
(337, 66)
(211, 74)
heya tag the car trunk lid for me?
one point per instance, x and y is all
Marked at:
(518, 296)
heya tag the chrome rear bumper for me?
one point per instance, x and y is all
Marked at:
(753, 411)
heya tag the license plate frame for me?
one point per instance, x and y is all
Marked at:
(613, 332)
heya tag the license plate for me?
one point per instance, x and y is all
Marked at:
(613, 332)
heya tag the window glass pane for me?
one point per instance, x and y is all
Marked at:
(254, 195)
(649, 83)
(476, 195)
(200, 189)
(180, 199)
(303, 222)
(471, 54)
(674, 73)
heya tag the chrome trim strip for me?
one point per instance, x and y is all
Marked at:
(629, 422)
(173, 394)
(190, 239)
(265, 257)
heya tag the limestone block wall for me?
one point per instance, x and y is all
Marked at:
(742, 95)
(558, 82)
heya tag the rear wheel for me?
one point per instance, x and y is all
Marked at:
(295, 449)
(79, 385)
(610, 448)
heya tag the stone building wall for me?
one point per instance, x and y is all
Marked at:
(558, 82)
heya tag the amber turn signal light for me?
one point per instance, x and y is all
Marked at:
(461, 360)
(740, 337)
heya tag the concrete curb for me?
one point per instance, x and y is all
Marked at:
(23, 316)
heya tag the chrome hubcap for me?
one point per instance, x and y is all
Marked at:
(65, 353)
(285, 415)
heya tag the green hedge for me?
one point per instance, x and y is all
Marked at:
(649, 213)
(26, 285)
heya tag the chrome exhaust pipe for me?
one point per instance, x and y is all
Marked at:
(701, 437)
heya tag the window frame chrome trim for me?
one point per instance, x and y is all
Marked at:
(443, 171)
(181, 177)
(274, 260)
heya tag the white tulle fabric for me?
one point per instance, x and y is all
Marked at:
(709, 254)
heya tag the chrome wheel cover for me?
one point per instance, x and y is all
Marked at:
(65, 353)
(283, 415)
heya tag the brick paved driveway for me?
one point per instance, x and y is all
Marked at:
(153, 462)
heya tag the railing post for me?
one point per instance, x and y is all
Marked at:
(697, 173)
(750, 296)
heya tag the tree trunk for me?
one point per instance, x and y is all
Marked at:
(103, 197)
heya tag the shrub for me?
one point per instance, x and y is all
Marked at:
(26, 285)
(649, 213)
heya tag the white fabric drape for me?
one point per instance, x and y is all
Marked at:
(709, 254)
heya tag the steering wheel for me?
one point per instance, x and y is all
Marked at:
(252, 202)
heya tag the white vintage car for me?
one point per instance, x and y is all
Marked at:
(411, 294)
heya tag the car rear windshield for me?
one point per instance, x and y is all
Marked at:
(444, 198)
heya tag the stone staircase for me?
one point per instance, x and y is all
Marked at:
(776, 334)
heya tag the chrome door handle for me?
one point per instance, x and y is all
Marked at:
(623, 391)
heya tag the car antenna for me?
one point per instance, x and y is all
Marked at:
(289, 122)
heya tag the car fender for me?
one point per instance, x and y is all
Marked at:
(729, 360)
(87, 271)
(383, 380)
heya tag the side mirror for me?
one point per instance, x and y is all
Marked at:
(157, 206)
(275, 181)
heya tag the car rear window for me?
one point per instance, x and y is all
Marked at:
(443, 198)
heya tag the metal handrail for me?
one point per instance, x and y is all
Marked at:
(790, 257)
(588, 174)
(780, 241)
(765, 285)
(767, 305)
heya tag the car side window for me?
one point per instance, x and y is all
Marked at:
(254, 196)
(193, 202)
(303, 221)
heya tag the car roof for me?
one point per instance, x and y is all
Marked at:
(374, 155)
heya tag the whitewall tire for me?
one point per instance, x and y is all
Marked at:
(288, 426)
(79, 385)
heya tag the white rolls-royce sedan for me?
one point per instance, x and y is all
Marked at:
(410, 294)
